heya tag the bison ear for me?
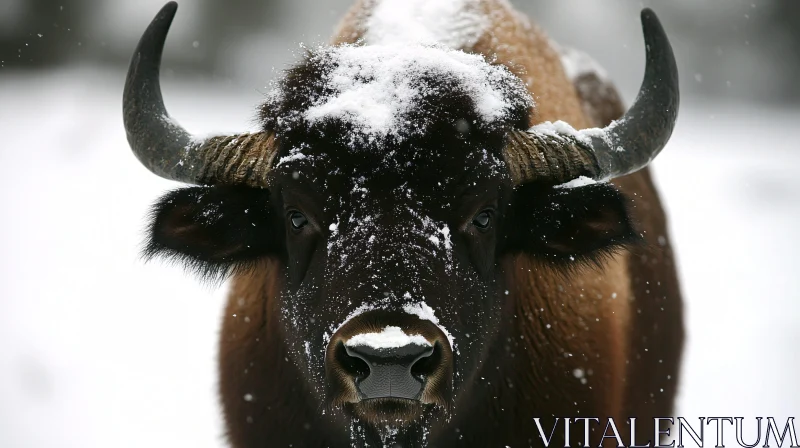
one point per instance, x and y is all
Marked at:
(569, 224)
(213, 229)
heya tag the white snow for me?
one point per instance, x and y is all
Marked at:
(561, 128)
(390, 337)
(455, 24)
(421, 310)
(293, 156)
(95, 344)
(375, 86)
(361, 309)
(448, 244)
(425, 312)
(444, 231)
(580, 181)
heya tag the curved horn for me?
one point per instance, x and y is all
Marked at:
(560, 153)
(168, 150)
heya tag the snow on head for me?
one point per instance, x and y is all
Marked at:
(580, 181)
(374, 88)
(452, 23)
(390, 337)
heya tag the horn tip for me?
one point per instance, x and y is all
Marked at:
(648, 14)
(156, 33)
(166, 14)
(170, 8)
(650, 20)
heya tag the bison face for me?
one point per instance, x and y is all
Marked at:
(392, 246)
(392, 291)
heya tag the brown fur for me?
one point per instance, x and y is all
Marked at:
(621, 324)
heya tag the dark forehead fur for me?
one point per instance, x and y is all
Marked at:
(445, 129)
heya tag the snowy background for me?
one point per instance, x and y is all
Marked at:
(98, 349)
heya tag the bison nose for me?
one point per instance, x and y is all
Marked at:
(384, 368)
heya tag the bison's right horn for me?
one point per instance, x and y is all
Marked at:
(168, 150)
(558, 153)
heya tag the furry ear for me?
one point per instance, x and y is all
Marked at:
(213, 229)
(582, 223)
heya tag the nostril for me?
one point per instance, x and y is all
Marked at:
(388, 367)
(351, 365)
(428, 364)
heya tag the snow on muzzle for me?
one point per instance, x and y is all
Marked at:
(390, 355)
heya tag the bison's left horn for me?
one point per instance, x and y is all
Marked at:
(558, 153)
(168, 150)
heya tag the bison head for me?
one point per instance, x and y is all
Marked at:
(392, 184)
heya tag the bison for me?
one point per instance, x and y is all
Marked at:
(443, 230)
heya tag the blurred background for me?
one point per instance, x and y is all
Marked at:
(98, 349)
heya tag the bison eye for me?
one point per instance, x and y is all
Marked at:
(482, 220)
(298, 220)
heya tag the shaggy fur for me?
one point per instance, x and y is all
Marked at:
(213, 231)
